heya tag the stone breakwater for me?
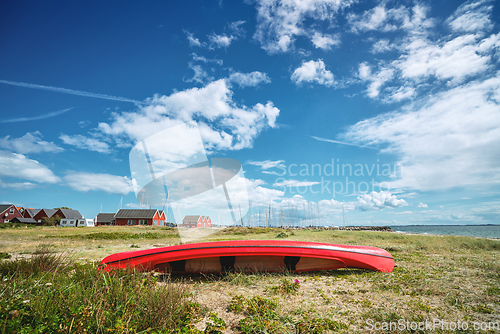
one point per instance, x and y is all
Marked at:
(365, 228)
(349, 228)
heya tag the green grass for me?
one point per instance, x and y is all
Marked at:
(47, 293)
(436, 277)
(263, 315)
(110, 236)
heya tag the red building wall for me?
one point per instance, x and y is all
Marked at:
(40, 215)
(6, 215)
(124, 221)
(26, 213)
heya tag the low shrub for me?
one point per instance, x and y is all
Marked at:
(111, 236)
(286, 287)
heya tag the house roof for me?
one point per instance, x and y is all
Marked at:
(5, 207)
(191, 219)
(48, 212)
(24, 220)
(32, 212)
(105, 217)
(136, 213)
(72, 214)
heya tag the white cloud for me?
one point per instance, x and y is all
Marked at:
(193, 41)
(17, 185)
(251, 79)
(422, 205)
(19, 166)
(223, 123)
(403, 213)
(375, 80)
(313, 71)
(66, 91)
(261, 196)
(200, 75)
(31, 142)
(86, 143)
(220, 41)
(379, 18)
(472, 16)
(236, 27)
(280, 22)
(82, 181)
(324, 41)
(399, 94)
(381, 46)
(268, 164)
(448, 140)
(338, 142)
(294, 183)
(451, 59)
(456, 59)
(35, 118)
(206, 60)
(84, 124)
(379, 200)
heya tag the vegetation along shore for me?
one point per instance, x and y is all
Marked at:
(51, 284)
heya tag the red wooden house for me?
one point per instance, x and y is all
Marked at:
(68, 213)
(136, 217)
(8, 212)
(196, 221)
(104, 219)
(161, 219)
(44, 213)
(207, 222)
(30, 212)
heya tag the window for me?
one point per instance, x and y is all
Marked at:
(6, 221)
(11, 211)
(143, 222)
(131, 222)
(71, 222)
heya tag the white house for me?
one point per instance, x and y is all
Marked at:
(71, 222)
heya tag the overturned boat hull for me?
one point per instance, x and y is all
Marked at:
(252, 256)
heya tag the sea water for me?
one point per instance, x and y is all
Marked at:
(485, 231)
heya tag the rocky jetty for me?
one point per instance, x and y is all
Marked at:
(365, 228)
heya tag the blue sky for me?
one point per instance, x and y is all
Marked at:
(402, 96)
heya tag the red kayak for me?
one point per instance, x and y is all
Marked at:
(252, 256)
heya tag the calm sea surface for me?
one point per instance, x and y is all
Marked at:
(485, 231)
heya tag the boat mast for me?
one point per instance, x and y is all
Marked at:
(343, 215)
